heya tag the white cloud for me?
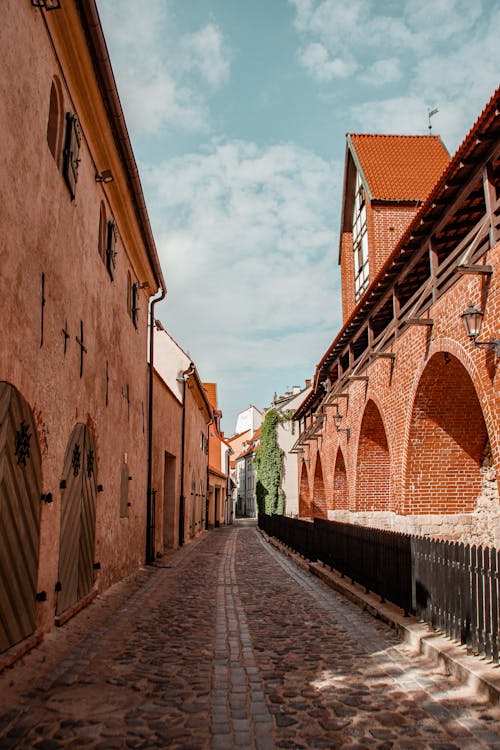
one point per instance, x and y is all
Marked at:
(204, 51)
(247, 237)
(317, 61)
(440, 53)
(383, 72)
(164, 78)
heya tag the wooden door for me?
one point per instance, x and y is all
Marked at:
(78, 509)
(20, 496)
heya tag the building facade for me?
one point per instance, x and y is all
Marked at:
(219, 509)
(78, 267)
(401, 428)
(286, 435)
(182, 415)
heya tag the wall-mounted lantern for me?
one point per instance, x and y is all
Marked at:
(472, 319)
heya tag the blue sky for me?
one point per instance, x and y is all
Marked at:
(237, 113)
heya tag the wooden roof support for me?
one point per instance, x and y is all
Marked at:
(359, 377)
(383, 355)
(418, 321)
(475, 269)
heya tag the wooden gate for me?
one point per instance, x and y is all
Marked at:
(78, 508)
(20, 496)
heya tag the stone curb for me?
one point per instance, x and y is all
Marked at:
(474, 671)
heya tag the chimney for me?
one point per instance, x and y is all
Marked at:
(308, 383)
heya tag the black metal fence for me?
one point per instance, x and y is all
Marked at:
(451, 586)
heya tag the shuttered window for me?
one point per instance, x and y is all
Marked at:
(71, 158)
(135, 304)
(111, 249)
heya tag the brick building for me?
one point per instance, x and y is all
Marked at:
(401, 428)
(219, 508)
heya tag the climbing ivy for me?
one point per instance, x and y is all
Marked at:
(269, 467)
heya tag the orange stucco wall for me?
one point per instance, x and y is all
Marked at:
(45, 232)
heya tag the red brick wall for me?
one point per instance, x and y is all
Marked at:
(386, 224)
(447, 440)
(319, 496)
(373, 464)
(304, 501)
(436, 413)
(347, 276)
(340, 489)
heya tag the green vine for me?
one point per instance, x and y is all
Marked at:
(269, 465)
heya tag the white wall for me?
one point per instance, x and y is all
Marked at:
(250, 419)
(170, 361)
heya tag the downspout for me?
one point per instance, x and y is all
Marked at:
(150, 552)
(185, 377)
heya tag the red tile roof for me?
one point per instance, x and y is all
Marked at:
(400, 167)
(211, 391)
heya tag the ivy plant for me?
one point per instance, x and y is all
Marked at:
(269, 467)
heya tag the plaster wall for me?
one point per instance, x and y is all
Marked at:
(47, 233)
(195, 464)
(167, 429)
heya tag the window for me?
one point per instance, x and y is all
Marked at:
(55, 122)
(71, 159)
(360, 241)
(101, 243)
(110, 248)
(134, 303)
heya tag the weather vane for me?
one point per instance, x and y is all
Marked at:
(431, 113)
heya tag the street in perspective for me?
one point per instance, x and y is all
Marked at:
(229, 644)
(249, 375)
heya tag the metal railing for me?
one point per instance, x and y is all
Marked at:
(451, 586)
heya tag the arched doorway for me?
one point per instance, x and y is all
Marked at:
(304, 503)
(20, 492)
(373, 464)
(447, 440)
(319, 497)
(78, 509)
(340, 495)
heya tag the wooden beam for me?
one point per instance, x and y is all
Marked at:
(475, 269)
(490, 197)
(385, 355)
(418, 321)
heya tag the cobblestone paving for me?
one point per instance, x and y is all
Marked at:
(229, 645)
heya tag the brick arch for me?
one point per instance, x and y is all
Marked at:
(318, 492)
(447, 346)
(446, 441)
(304, 499)
(373, 462)
(340, 493)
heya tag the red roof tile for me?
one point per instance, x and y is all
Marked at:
(211, 391)
(400, 167)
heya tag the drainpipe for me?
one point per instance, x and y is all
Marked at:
(150, 552)
(185, 377)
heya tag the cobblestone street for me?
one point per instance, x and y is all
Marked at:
(228, 644)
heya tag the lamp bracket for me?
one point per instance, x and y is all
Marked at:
(347, 431)
(491, 346)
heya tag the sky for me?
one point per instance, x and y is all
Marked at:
(237, 113)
